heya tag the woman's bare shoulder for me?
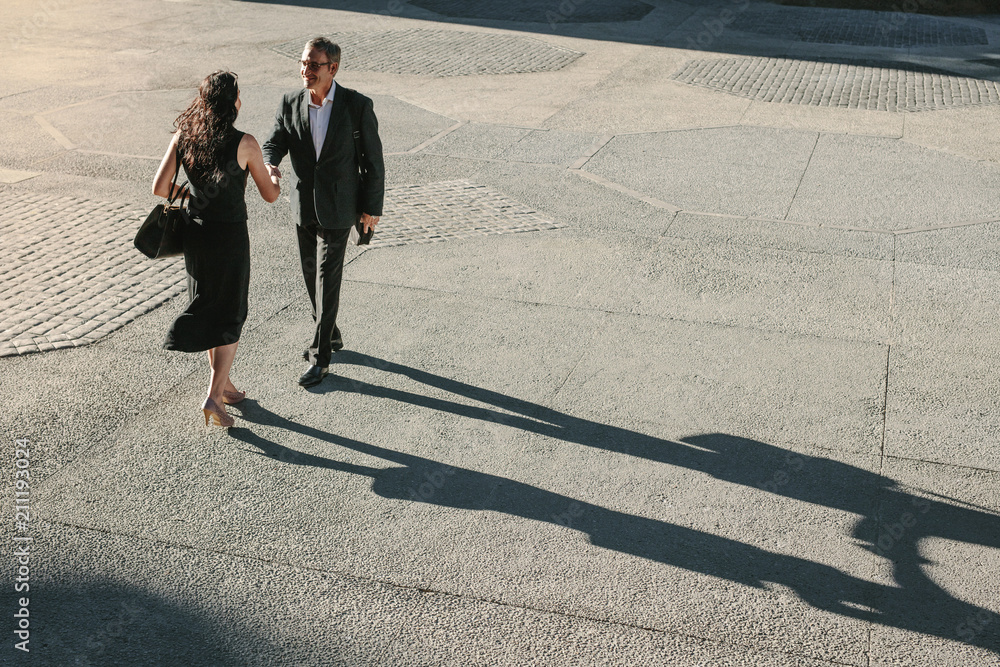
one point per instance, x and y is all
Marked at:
(248, 141)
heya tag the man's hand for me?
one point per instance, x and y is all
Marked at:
(368, 221)
(273, 172)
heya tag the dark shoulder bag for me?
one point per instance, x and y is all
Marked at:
(162, 233)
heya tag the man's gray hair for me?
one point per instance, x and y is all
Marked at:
(331, 50)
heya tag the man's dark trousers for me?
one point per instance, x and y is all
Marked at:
(323, 248)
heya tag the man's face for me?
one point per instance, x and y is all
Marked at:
(320, 78)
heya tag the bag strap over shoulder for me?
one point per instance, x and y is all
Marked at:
(354, 107)
(183, 192)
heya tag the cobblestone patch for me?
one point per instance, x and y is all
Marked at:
(859, 28)
(71, 274)
(451, 210)
(441, 52)
(840, 85)
(532, 11)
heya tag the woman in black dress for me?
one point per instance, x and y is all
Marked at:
(217, 159)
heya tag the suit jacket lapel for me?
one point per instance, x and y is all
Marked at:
(337, 114)
(306, 130)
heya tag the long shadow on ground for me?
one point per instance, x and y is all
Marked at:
(98, 622)
(893, 521)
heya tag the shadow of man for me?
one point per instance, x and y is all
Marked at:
(916, 603)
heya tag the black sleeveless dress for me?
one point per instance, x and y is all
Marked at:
(217, 258)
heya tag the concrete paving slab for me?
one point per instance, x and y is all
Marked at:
(935, 536)
(69, 185)
(763, 147)
(535, 280)
(126, 126)
(955, 131)
(27, 144)
(535, 346)
(521, 11)
(138, 169)
(704, 372)
(424, 168)
(782, 235)
(294, 482)
(729, 189)
(575, 199)
(46, 97)
(970, 247)
(660, 105)
(766, 289)
(107, 124)
(478, 141)
(295, 442)
(937, 408)
(94, 596)
(64, 406)
(956, 308)
(32, 26)
(253, 612)
(658, 534)
(15, 176)
(892, 185)
(830, 120)
(739, 171)
(553, 147)
(673, 278)
(406, 126)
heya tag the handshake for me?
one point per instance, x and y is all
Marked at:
(274, 173)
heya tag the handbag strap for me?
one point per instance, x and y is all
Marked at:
(173, 183)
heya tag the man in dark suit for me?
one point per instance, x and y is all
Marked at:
(331, 135)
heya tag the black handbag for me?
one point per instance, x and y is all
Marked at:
(162, 232)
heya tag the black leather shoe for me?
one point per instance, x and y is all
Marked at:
(336, 345)
(313, 376)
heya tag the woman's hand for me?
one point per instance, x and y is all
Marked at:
(265, 176)
(274, 173)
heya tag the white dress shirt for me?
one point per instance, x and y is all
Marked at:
(319, 118)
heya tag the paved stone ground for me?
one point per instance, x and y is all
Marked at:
(450, 211)
(525, 10)
(442, 53)
(789, 81)
(74, 275)
(732, 399)
(71, 273)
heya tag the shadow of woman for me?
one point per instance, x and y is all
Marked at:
(906, 606)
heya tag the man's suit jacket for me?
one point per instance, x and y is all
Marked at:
(329, 187)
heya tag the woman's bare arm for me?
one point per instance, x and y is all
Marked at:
(251, 156)
(168, 167)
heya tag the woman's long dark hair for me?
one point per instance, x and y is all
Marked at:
(207, 125)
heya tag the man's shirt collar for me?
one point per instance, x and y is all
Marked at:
(326, 100)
